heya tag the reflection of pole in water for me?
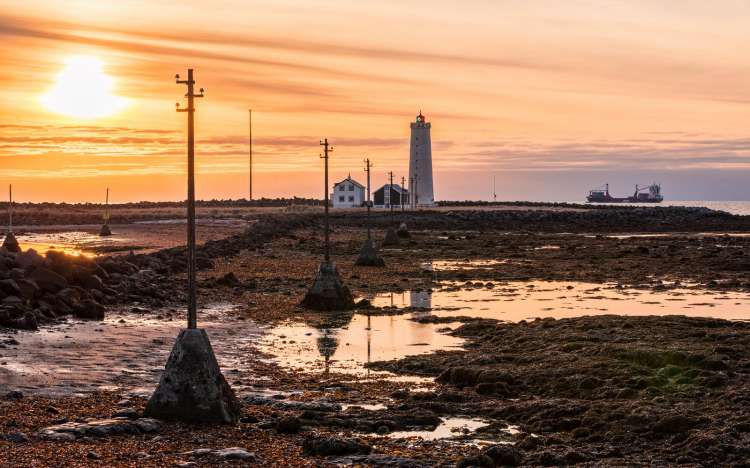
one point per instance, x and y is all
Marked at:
(369, 340)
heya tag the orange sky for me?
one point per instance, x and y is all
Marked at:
(534, 93)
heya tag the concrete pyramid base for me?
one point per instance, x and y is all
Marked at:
(391, 238)
(105, 231)
(192, 388)
(10, 243)
(327, 291)
(403, 232)
(369, 255)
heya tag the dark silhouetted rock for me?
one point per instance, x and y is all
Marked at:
(504, 455)
(90, 309)
(288, 425)
(325, 446)
(48, 280)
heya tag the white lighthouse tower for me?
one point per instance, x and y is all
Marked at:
(420, 164)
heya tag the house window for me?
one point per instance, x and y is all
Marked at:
(351, 198)
(351, 188)
(341, 188)
(341, 198)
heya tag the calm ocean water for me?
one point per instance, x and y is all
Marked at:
(734, 207)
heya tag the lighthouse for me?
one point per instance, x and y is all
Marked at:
(420, 164)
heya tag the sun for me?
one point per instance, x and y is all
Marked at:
(83, 90)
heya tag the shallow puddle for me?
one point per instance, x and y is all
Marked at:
(515, 301)
(345, 343)
(125, 351)
(454, 265)
(450, 427)
(74, 243)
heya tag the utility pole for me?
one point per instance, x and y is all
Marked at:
(368, 166)
(401, 198)
(192, 299)
(10, 208)
(250, 144)
(390, 194)
(327, 149)
(411, 192)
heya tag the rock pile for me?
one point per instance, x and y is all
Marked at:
(99, 428)
(36, 289)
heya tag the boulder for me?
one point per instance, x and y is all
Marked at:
(28, 289)
(29, 259)
(90, 309)
(325, 446)
(288, 425)
(48, 280)
(10, 286)
(88, 280)
(503, 455)
(99, 428)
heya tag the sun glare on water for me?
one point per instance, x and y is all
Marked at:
(83, 90)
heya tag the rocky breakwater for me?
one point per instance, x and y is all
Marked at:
(37, 289)
(583, 219)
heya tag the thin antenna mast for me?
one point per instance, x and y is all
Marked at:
(250, 144)
(10, 208)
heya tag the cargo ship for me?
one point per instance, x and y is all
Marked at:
(641, 195)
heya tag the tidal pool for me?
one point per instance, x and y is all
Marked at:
(124, 351)
(449, 427)
(76, 243)
(345, 343)
(515, 301)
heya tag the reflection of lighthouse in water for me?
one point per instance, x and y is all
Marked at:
(421, 300)
(421, 303)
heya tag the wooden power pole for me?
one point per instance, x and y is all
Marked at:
(368, 166)
(192, 296)
(327, 149)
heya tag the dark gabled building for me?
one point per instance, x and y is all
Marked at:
(390, 195)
